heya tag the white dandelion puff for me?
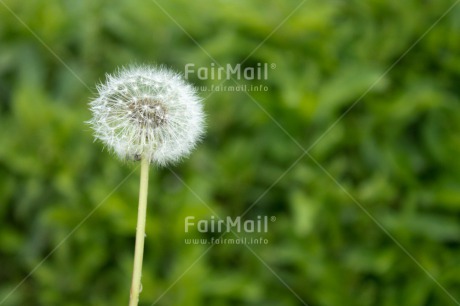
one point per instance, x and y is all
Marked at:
(149, 112)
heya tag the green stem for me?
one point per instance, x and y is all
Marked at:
(140, 233)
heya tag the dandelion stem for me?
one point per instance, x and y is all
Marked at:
(140, 233)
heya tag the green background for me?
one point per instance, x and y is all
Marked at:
(369, 215)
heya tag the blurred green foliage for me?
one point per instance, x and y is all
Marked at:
(65, 206)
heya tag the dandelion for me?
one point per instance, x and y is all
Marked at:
(147, 114)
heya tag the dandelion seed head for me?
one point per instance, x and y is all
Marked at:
(147, 111)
